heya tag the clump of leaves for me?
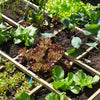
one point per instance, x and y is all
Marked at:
(10, 67)
(35, 17)
(73, 82)
(24, 88)
(4, 36)
(94, 28)
(43, 57)
(26, 35)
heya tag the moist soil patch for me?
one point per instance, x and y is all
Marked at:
(40, 95)
(11, 10)
(65, 36)
(93, 59)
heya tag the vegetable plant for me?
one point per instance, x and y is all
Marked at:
(73, 82)
(26, 35)
(68, 9)
(35, 17)
(4, 36)
(43, 57)
(94, 28)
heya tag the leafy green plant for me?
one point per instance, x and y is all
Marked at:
(4, 36)
(23, 89)
(23, 96)
(26, 35)
(73, 82)
(10, 67)
(35, 17)
(43, 57)
(94, 28)
(53, 96)
(75, 9)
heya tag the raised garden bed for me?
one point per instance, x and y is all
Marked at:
(63, 38)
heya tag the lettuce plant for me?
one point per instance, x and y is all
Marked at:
(43, 57)
(26, 35)
(73, 82)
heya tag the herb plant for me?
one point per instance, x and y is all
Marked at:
(43, 57)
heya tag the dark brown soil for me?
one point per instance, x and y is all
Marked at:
(93, 2)
(93, 59)
(64, 38)
(40, 95)
(11, 10)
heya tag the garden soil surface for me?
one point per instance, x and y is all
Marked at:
(93, 59)
(62, 39)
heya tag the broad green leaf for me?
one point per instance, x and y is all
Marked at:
(19, 31)
(66, 22)
(17, 41)
(75, 52)
(96, 78)
(92, 26)
(2, 26)
(92, 44)
(62, 85)
(30, 30)
(71, 51)
(69, 79)
(46, 35)
(58, 73)
(76, 89)
(23, 96)
(83, 80)
(52, 96)
(98, 35)
(76, 42)
(87, 33)
(79, 78)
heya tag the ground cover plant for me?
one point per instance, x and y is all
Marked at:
(12, 81)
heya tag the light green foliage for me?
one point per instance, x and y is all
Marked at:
(65, 8)
(53, 96)
(76, 42)
(83, 80)
(47, 35)
(23, 89)
(73, 82)
(92, 44)
(26, 35)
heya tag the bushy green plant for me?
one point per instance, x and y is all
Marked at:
(26, 35)
(73, 82)
(77, 11)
